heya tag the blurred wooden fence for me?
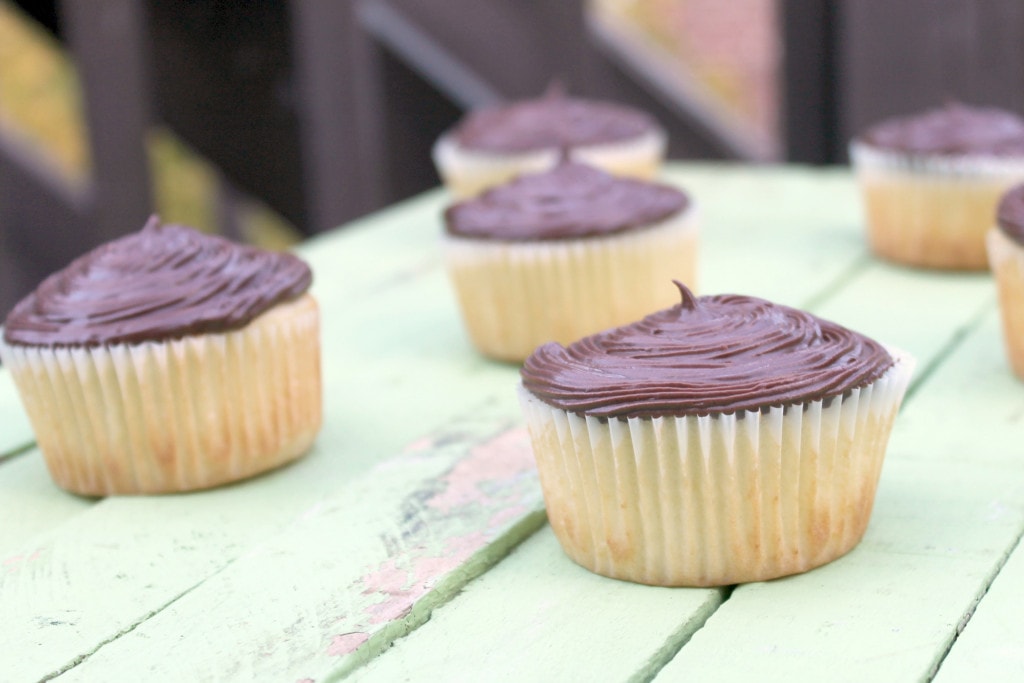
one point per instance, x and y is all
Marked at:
(326, 110)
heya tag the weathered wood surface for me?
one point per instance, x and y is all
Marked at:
(354, 572)
(539, 617)
(420, 481)
(991, 647)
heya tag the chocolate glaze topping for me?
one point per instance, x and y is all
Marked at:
(571, 200)
(1010, 214)
(159, 283)
(553, 120)
(712, 354)
(953, 129)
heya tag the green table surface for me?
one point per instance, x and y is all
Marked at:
(411, 543)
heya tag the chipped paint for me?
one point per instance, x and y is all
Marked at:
(344, 644)
(471, 481)
(474, 501)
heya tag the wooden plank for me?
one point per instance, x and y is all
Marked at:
(337, 112)
(108, 42)
(538, 602)
(887, 611)
(809, 67)
(972, 410)
(989, 648)
(781, 235)
(15, 430)
(881, 299)
(30, 504)
(354, 573)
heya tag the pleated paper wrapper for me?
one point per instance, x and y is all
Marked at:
(467, 172)
(175, 415)
(931, 211)
(1006, 258)
(720, 499)
(515, 296)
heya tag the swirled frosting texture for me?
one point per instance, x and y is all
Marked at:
(551, 121)
(1010, 214)
(713, 354)
(572, 200)
(159, 283)
(952, 130)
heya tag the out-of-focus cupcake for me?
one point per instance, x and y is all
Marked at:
(564, 253)
(493, 145)
(720, 441)
(1006, 256)
(931, 182)
(168, 360)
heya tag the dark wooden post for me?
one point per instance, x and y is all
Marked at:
(338, 116)
(106, 39)
(810, 127)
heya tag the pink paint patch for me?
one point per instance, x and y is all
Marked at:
(395, 607)
(389, 578)
(499, 461)
(464, 546)
(344, 644)
(429, 569)
(401, 588)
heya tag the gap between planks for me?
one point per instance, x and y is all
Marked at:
(12, 453)
(962, 624)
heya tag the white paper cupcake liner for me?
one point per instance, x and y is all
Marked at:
(1006, 258)
(931, 210)
(183, 414)
(515, 296)
(467, 173)
(715, 500)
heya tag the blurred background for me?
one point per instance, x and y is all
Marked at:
(272, 121)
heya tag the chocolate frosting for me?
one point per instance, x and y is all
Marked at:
(551, 121)
(571, 200)
(159, 283)
(953, 129)
(1010, 214)
(712, 354)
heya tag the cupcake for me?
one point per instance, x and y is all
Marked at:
(1006, 255)
(931, 183)
(493, 145)
(564, 253)
(720, 441)
(168, 360)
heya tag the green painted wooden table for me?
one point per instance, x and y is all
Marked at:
(411, 544)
